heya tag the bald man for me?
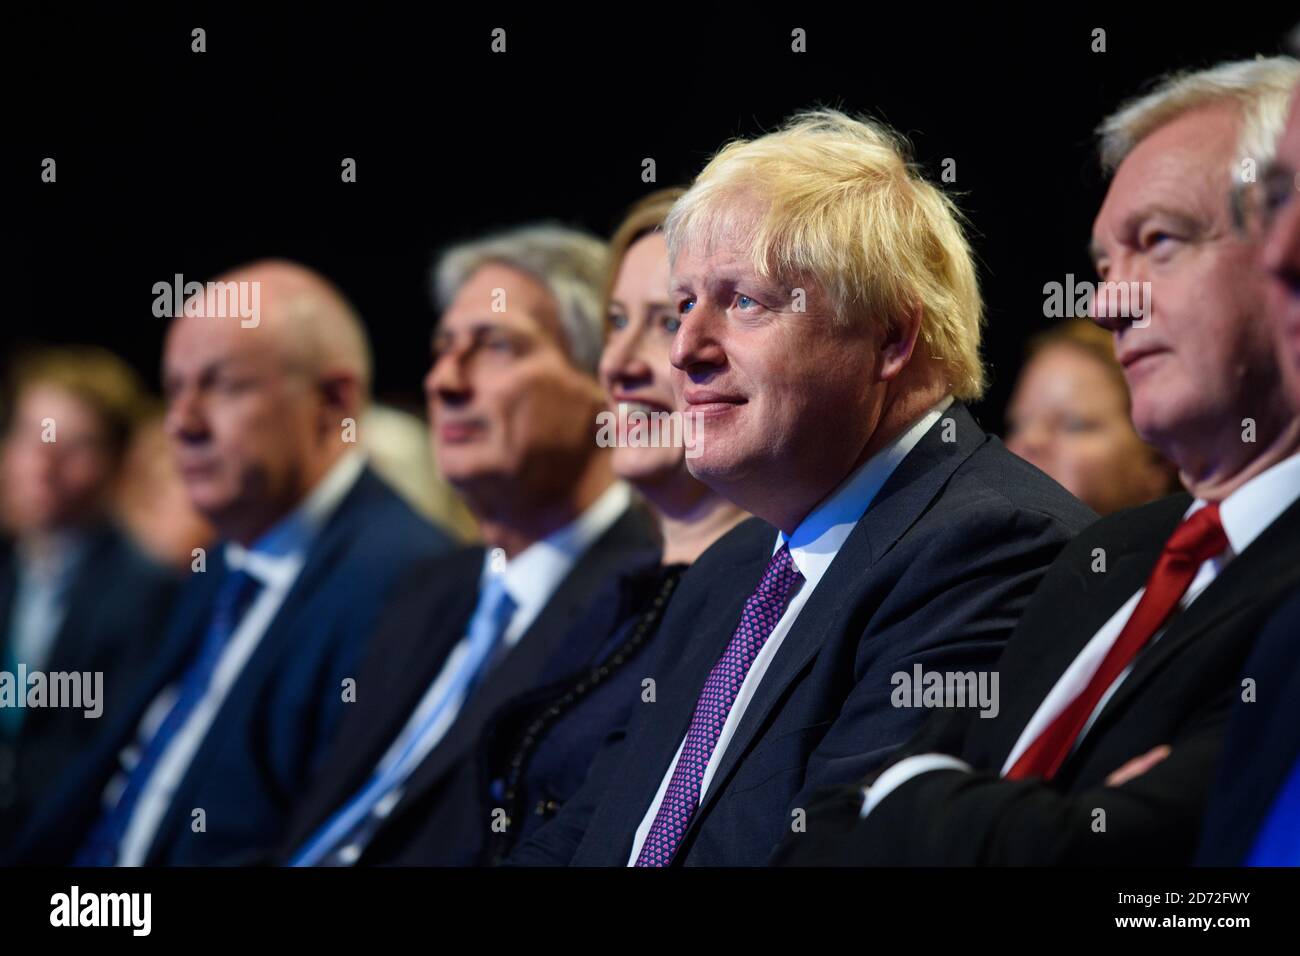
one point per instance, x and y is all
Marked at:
(204, 766)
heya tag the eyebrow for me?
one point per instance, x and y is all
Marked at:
(477, 327)
(1134, 219)
(211, 368)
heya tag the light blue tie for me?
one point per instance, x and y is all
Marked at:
(486, 627)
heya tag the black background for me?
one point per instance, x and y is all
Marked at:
(171, 161)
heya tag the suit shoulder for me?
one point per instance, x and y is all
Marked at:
(386, 525)
(1144, 526)
(993, 476)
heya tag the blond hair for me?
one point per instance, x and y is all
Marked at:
(1261, 88)
(841, 203)
(97, 377)
(644, 217)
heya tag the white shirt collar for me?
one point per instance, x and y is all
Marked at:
(533, 575)
(1249, 510)
(820, 536)
(275, 557)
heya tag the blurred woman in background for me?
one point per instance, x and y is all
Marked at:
(1069, 416)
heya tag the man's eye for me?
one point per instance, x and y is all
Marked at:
(686, 306)
(1277, 192)
(231, 383)
(1158, 239)
(744, 301)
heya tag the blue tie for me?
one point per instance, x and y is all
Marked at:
(1278, 842)
(233, 598)
(349, 824)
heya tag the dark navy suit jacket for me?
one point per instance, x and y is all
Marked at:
(1179, 693)
(116, 611)
(1262, 745)
(935, 573)
(554, 728)
(281, 713)
(427, 618)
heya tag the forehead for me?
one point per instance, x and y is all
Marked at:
(39, 399)
(644, 267)
(499, 294)
(194, 342)
(699, 264)
(1185, 164)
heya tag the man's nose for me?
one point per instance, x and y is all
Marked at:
(448, 380)
(697, 345)
(1123, 297)
(184, 420)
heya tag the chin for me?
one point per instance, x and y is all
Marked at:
(650, 465)
(714, 469)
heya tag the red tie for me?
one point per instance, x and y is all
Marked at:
(1193, 542)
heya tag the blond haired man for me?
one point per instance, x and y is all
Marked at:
(1119, 679)
(830, 324)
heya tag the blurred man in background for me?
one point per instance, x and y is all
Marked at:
(1069, 415)
(260, 659)
(397, 444)
(513, 404)
(76, 594)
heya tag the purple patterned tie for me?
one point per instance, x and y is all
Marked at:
(757, 621)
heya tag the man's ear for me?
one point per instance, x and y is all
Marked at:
(899, 342)
(341, 392)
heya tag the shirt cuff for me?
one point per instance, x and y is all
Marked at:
(903, 771)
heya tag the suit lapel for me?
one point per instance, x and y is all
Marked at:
(1078, 606)
(519, 669)
(323, 556)
(1266, 569)
(691, 649)
(915, 483)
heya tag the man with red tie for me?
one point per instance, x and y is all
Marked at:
(1117, 683)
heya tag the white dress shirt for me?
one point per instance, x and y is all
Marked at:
(275, 561)
(1245, 514)
(531, 578)
(44, 576)
(813, 548)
